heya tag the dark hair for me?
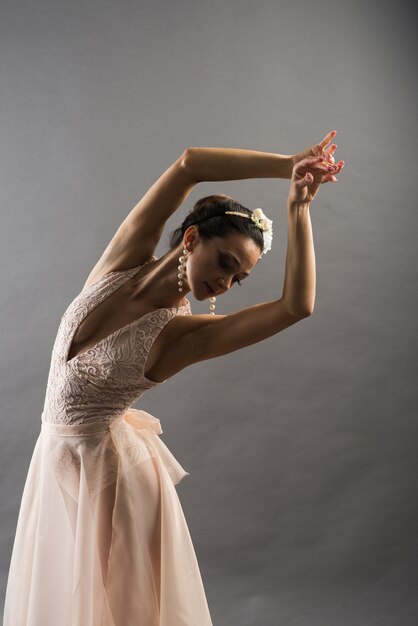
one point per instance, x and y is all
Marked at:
(208, 215)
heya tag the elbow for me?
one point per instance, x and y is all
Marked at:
(186, 158)
(187, 161)
(307, 311)
(302, 314)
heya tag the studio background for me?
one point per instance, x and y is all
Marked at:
(301, 499)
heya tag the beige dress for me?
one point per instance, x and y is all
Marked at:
(101, 537)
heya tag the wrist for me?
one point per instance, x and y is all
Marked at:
(283, 166)
(295, 205)
(288, 165)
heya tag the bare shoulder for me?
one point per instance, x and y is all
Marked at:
(104, 267)
(177, 346)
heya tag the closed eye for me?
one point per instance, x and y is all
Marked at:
(226, 267)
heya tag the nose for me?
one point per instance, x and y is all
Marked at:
(224, 284)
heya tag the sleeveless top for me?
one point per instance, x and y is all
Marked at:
(102, 382)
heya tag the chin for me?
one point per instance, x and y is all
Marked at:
(201, 295)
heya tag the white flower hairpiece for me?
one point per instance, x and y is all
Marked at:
(261, 221)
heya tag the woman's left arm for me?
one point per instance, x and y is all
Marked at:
(208, 164)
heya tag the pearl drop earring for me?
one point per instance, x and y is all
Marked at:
(212, 305)
(182, 273)
(182, 269)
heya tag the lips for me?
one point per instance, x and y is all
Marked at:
(210, 291)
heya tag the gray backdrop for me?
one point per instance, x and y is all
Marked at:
(301, 499)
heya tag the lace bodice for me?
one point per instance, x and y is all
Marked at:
(103, 381)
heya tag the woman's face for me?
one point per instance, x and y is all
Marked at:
(212, 264)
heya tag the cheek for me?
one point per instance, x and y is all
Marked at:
(200, 269)
(194, 272)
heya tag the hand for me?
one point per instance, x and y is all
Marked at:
(307, 176)
(321, 149)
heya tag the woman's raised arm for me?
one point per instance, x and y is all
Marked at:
(208, 164)
(136, 238)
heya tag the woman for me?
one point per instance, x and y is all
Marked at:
(101, 537)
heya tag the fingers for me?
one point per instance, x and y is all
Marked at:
(317, 164)
(315, 171)
(329, 154)
(331, 178)
(327, 139)
(305, 181)
(309, 162)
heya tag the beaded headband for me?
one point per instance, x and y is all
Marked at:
(260, 220)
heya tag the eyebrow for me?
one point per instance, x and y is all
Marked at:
(237, 263)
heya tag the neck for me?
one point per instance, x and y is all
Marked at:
(159, 283)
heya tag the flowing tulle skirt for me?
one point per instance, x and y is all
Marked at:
(101, 537)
